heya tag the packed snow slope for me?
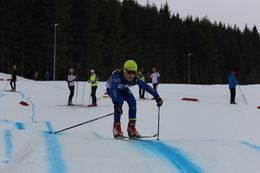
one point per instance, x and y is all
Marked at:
(208, 136)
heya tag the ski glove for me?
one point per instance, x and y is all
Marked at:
(118, 109)
(159, 101)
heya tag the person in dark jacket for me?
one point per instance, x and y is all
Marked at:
(13, 80)
(118, 89)
(232, 82)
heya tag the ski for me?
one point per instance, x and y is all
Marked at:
(92, 106)
(136, 138)
(72, 105)
(10, 91)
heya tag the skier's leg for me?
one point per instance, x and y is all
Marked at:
(143, 93)
(95, 97)
(232, 95)
(230, 89)
(140, 92)
(11, 84)
(155, 87)
(71, 88)
(14, 84)
(130, 99)
(117, 131)
(93, 94)
(117, 112)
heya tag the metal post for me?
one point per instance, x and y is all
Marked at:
(189, 55)
(54, 54)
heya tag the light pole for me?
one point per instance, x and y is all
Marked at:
(54, 54)
(189, 55)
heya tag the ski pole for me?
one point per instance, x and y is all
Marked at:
(83, 92)
(77, 89)
(244, 98)
(89, 99)
(95, 119)
(6, 85)
(158, 130)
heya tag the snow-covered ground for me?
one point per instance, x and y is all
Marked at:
(209, 136)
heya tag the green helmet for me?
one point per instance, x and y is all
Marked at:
(130, 65)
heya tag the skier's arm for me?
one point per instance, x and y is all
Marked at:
(113, 90)
(146, 87)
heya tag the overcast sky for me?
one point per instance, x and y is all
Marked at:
(239, 12)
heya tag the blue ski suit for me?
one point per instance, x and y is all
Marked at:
(118, 90)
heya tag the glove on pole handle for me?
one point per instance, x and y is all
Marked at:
(95, 119)
(158, 129)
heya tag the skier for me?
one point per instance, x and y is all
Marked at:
(118, 89)
(93, 80)
(232, 81)
(71, 84)
(13, 80)
(141, 75)
(155, 76)
(35, 76)
(47, 75)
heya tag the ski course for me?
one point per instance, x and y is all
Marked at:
(210, 136)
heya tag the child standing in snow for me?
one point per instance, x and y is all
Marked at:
(71, 84)
(118, 89)
(155, 78)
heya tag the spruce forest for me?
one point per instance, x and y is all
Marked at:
(102, 34)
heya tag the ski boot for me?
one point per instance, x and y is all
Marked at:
(70, 103)
(92, 105)
(117, 131)
(132, 132)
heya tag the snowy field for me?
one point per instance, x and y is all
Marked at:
(208, 136)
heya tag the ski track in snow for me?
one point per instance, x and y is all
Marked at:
(56, 163)
(17, 125)
(31, 103)
(255, 147)
(169, 153)
(176, 158)
(2, 94)
(8, 145)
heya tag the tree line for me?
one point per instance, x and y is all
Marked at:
(102, 34)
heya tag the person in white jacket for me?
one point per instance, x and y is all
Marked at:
(71, 84)
(155, 76)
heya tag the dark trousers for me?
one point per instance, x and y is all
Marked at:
(72, 88)
(141, 93)
(93, 94)
(232, 95)
(155, 86)
(13, 84)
